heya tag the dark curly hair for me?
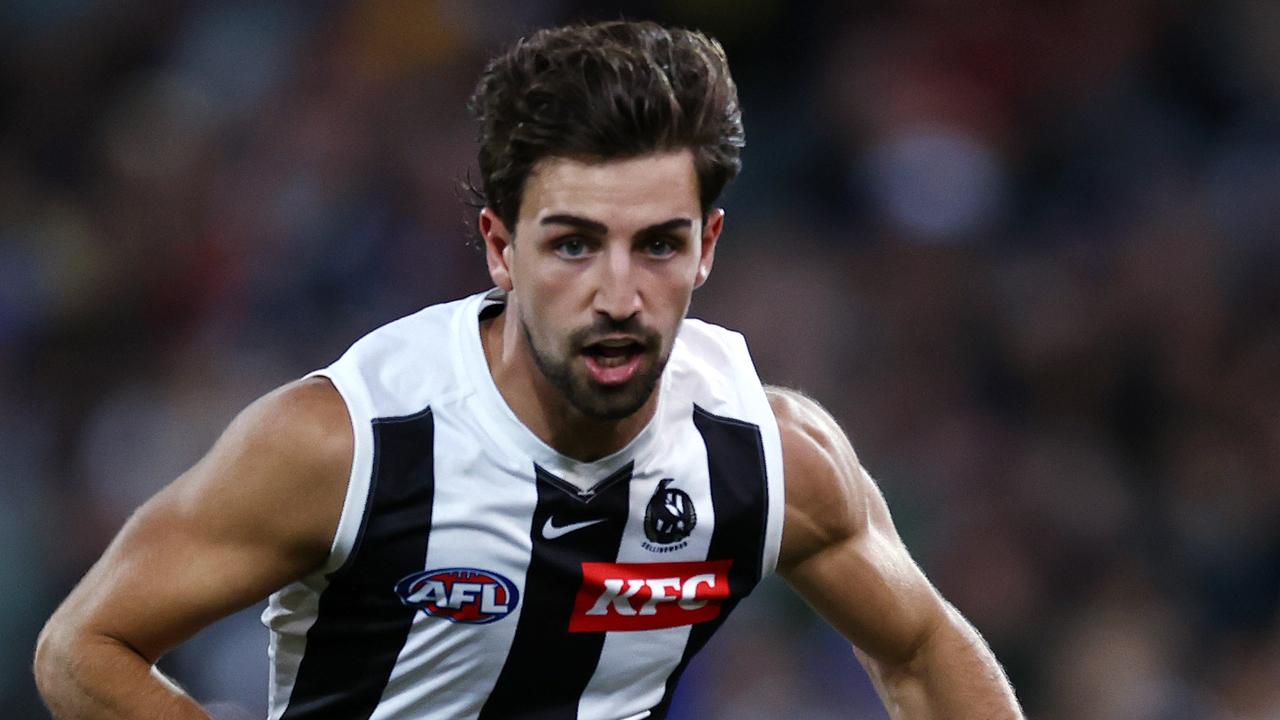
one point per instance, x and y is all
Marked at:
(610, 90)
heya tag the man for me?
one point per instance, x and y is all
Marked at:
(538, 501)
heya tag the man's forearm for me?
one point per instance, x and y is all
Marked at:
(99, 678)
(952, 675)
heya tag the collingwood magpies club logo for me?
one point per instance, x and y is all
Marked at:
(668, 518)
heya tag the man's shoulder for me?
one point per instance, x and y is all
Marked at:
(303, 423)
(826, 485)
(279, 470)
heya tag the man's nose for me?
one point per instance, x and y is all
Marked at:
(618, 293)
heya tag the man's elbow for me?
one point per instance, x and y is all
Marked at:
(911, 663)
(52, 656)
(952, 672)
(58, 656)
(941, 641)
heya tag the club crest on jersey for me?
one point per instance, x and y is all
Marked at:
(461, 595)
(668, 519)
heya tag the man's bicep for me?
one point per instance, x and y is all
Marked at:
(254, 514)
(840, 549)
(869, 588)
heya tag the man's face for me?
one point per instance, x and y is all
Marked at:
(604, 261)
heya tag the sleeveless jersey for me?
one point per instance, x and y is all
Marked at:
(478, 573)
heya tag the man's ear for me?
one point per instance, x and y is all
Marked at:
(710, 235)
(497, 247)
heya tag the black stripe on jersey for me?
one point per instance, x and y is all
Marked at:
(548, 667)
(362, 625)
(622, 474)
(740, 499)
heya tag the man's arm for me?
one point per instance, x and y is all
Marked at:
(841, 552)
(256, 513)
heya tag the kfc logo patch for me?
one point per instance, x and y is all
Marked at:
(461, 595)
(648, 596)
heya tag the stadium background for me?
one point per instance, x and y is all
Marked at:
(1028, 253)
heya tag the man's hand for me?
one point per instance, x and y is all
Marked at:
(256, 513)
(841, 552)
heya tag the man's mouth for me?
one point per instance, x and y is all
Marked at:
(613, 361)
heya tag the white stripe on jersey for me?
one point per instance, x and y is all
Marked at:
(634, 666)
(479, 504)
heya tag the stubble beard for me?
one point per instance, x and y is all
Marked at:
(590, 399)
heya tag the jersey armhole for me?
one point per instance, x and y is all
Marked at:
(757, 404)
(776, 480)
(357, 494)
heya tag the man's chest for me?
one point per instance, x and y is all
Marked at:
(505, 586)
(626, 548)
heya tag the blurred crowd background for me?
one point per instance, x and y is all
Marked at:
(1028, 253)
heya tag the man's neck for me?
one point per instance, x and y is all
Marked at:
(542, 407)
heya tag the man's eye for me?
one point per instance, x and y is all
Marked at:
(660, 247)
(571, 247)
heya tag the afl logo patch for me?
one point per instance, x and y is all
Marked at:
(668, 518)
(461, 595)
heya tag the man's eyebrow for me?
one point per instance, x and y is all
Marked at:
(666, 227)
(590, 226)
(598, 228)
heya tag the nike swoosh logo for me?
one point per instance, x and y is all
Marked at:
(551, 531)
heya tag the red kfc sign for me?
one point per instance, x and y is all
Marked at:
(648, 596)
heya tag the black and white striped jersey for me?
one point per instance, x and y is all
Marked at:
(478, 573)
